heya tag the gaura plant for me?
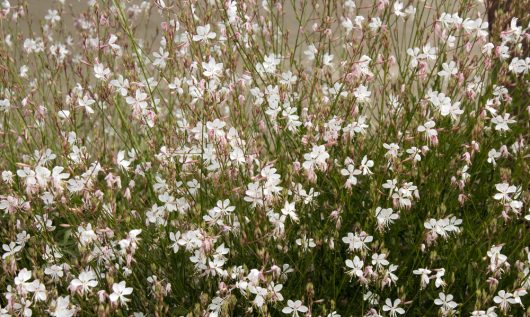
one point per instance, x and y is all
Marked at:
(264, 158)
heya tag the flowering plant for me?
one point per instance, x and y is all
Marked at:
(275, 157)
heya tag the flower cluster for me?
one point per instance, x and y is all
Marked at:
(275, 158)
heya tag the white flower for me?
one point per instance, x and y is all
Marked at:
(53, 16)
(424, 276)
(22, 278)
(292, 118)
(121, 161)
(482, 313)
(497, 259)
(365, 166)
(86, 234)
(85, 103)
(203, 34)
(414, 153)
(347, 24)
(306, 243)
(392, 150)
(63, 114)
(84, 282)
(385, 217)
(398, 7)
(439, 100)
(357, 127)
(501, 122)
(139, 101)
(351, 172)
(393, 308)
(310, 52)
(443, 227)
(503, 299)
(438, 282)
(415, 56)
(362, 94)
(270, 62)
(505, 190)
(452, 110)
(290, 210)
(316, 158)
(288, 79)
(212, 69)
(62, 307)
(55, 272)
(119, 292)
(5, 105)
(115, 47)
(216, 126)
(160, 58)
(121, 84)
(375, 24)
(327, 60)
(294, 308)
(10, 249)
(519, 66)
(223, 207)
(175, 238)
(100, 72)
(355, 266)
(357, 241)
(429, 52)
(493, 155)
(448, 69)
(517, 296)
(446, 301)
(391, 185)
(379, 260)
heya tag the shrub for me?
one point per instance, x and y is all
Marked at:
(239, 158)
